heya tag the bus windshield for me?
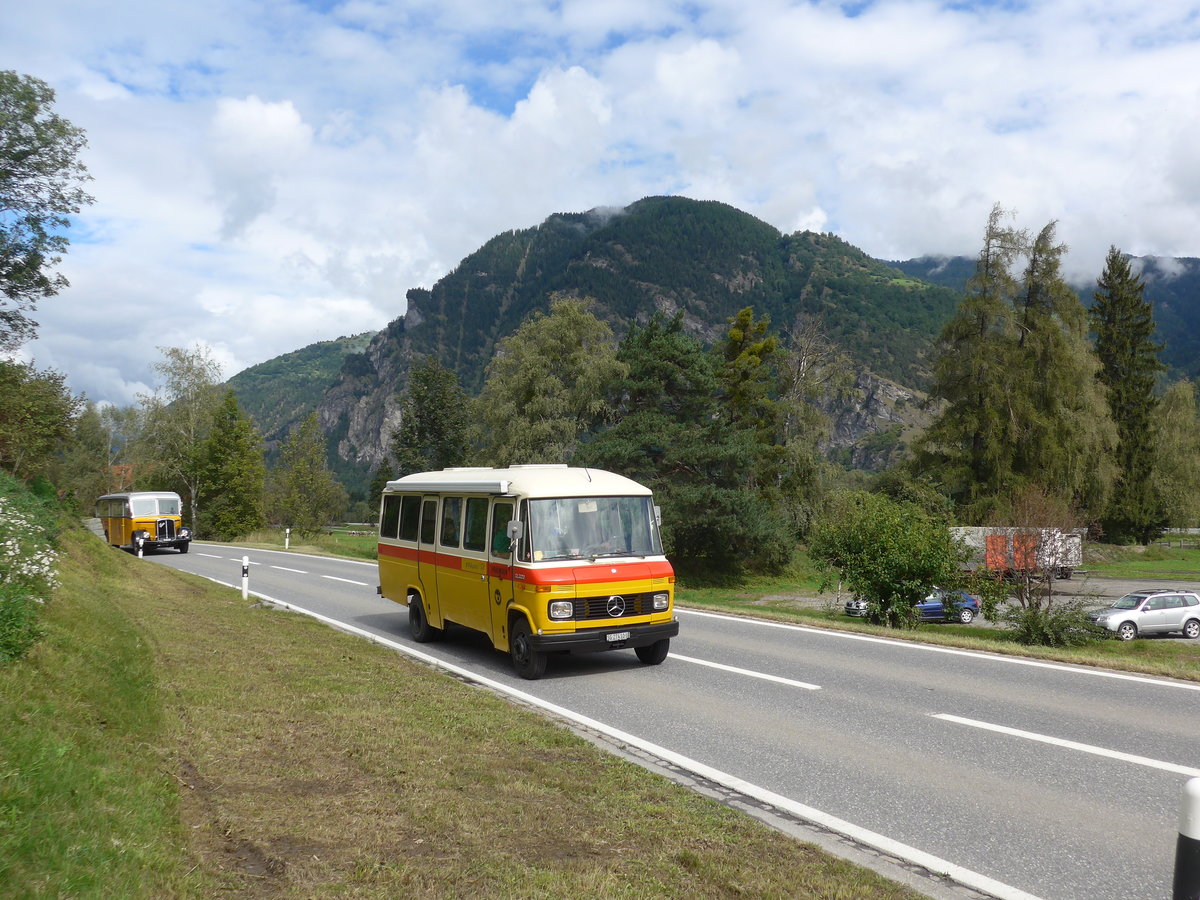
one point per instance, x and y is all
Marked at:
(155, 506)
(590, 527)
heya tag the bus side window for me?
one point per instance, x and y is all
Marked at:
(502, 514)
(410, 517)
(428, 521)
(475, 533)
(451, 519)
(389, 522)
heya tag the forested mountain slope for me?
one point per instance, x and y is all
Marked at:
(702, 259)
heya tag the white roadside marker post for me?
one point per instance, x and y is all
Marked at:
(1187, 850)
(245, 577)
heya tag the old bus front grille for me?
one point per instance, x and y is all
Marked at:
(165, 530)
(624, 605)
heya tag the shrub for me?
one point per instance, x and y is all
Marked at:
(1060, 625)
(27, 535)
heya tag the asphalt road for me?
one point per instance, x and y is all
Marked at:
(1052, 781)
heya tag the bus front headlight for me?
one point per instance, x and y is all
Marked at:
(661, 601)
(562, 609)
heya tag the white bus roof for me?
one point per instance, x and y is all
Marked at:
(155, 494)
(527, 481)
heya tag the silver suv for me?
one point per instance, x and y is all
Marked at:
(1151, 612)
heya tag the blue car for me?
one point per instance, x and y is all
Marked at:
(948, 606)
(940, 605)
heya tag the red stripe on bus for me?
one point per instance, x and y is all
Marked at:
(583, 574)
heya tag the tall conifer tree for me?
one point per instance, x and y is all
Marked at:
(434, 424)
(968, 446)
(231, 495)
(1017, 379)
(1124, 324)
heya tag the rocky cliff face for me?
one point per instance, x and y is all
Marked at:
(360, 410)
(873, 428)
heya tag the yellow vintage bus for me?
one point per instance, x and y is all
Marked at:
(541, 559)
(143, 520)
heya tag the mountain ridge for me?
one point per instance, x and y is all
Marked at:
(703, 260)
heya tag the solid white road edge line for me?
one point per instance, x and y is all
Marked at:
(747, 672)
(952, 651)
(1071, 745)
(861, 835)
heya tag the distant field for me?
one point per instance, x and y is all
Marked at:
(1155, 561)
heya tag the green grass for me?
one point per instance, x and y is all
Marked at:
(88, 804)
(1155, 561)
(355, 543)
(168, 739)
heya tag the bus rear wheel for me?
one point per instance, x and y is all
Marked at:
(653, 654)
(418, 623)
(529, 663)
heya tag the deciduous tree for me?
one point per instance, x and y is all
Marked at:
(886, 551)
(1176, 476)
(547, 385)
(36, 415)
(177, 419)
(41, 185)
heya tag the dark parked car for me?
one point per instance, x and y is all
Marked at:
(940, 605)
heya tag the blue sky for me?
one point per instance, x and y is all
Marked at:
(271, 174)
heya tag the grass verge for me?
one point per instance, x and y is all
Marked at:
(169, 740)
(347, 542)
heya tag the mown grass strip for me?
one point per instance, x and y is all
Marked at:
(223, 747)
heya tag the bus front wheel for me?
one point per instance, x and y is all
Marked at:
(653, 654)
(418, 622)
(528, 662)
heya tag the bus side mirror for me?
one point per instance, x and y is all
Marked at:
(658, 516)
(515, 530)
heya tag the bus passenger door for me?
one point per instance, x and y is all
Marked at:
(500, 571)
(461, 576)
(427, 561)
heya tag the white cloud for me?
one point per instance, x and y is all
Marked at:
(270, 175)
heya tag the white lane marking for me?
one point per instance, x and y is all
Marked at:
(286, 569)
(763, 675)
(997, 889)
(238, 559)
(211, 555)
(951, 651)
(347, 580)
(1071, 745)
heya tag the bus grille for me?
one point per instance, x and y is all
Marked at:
(166, 530)
(603, 607)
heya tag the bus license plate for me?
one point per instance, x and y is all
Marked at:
(617, 636)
